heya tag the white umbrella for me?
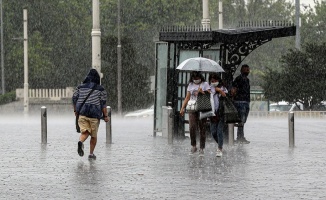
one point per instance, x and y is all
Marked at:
(200, 64)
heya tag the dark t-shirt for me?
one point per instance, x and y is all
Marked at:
(242, 84)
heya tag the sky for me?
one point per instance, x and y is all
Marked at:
(306, 2)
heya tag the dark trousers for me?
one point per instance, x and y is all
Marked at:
(194, 124)
(243, 109)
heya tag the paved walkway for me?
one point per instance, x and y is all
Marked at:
(138, 166)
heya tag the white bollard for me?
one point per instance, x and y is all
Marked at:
(109, 127)
(167, 123)
(291, 129)
(43, 125)
(231, 134)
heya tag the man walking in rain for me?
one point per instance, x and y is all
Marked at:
(241, 96)
(89, 101)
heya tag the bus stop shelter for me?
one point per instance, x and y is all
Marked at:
(228, 47)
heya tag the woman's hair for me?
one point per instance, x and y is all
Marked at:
(196, 74)
(215, 76)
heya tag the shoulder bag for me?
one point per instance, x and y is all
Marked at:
(231, 114)
(191, 106)
(204, 102)
(210, 113)
(77, 113)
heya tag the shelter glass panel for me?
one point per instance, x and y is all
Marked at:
(161, 82)
(212, 54)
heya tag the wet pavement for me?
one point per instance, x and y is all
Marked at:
(139, 166)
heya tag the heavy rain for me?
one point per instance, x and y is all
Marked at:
(144, 150)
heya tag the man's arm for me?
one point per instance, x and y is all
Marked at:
(234, 88)
(105, 114)
(103, 104)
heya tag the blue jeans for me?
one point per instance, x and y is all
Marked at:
(243, 109)
(216, 129)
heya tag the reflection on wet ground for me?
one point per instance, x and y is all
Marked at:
(138, 166)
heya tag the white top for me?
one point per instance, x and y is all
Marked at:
(193, 89)
(216, 96)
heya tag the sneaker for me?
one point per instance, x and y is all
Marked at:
(201, 152)
(80, 149)
(193, 150)
(219, 153)
(92, 157)
(244, 141)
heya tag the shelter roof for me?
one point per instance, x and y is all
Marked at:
(237, 35)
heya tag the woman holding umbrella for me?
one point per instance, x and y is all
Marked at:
(197, 84)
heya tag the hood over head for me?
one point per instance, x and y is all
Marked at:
(92, 76)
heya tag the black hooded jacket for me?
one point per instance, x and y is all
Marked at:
(95, 102)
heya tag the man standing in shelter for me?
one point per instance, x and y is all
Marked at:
(89, 100)
(241, 96)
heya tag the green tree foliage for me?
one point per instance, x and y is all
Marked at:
(40, 64)
(302, 78)
(134, 77)
(59, 44)
(142, 20)
(314, 23)
(60, 38)
(8, 97)
(235, 11)
(60, 41)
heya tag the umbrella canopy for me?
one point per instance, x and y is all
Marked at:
(200, 64)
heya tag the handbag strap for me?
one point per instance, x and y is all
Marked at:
(198, 88)
(89, 94)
